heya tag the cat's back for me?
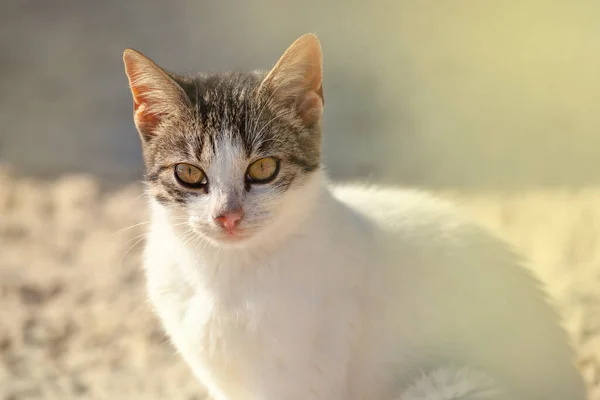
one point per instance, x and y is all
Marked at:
(402, 211)
(455, 292)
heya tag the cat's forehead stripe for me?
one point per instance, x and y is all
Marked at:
(222, 107)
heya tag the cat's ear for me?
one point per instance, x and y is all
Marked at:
(156, 95)
(297, 78)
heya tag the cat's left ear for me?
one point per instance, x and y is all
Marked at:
(297, 78)
(156, 96)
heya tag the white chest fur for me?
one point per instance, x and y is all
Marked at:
(257, 324)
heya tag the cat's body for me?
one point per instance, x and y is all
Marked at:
(293, 289)
(367, 294)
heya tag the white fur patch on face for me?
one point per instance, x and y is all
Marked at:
(228, 191)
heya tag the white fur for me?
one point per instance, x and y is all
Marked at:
(453, 383)
(356, 293)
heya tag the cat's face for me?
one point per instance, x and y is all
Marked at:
(228, 156)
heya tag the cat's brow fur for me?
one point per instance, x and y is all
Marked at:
(232, 107)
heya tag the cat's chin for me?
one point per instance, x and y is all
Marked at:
(236, 240)
(232, 240)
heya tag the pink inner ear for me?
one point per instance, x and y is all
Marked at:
(137, 98)
(142, 104)
(144, 117)
(146, 121)
(310, 106)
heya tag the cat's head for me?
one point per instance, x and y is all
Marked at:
(233, 156)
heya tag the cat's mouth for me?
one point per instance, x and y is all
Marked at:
(225, 237)
(235, 236)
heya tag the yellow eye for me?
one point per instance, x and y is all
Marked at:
(263, 170)
(189, 175)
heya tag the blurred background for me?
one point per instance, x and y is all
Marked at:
(492, 103)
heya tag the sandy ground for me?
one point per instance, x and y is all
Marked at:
(74, 321)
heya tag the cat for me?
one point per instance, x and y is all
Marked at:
(273, 283)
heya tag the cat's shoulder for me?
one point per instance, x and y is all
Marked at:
(403, 208)
(381, 199)
(419, 220)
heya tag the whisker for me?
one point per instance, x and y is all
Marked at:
(130, 227)
(135, 237)
(200, 240)
(132, 246)
(189, 236)
(180, 223)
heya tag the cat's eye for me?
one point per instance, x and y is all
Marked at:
(263, 170)
(189, 175)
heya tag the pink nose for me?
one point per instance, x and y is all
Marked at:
(230, 219)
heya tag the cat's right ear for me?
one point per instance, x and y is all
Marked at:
(156, 95)
(297, 78)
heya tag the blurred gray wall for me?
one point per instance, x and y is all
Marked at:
(462, 93)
